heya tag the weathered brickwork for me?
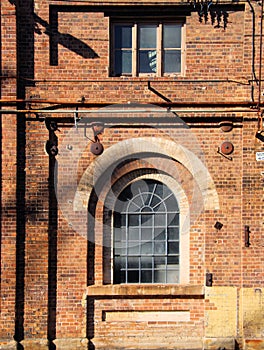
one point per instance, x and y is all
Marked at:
(58, 198)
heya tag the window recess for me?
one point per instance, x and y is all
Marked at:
(152, 48)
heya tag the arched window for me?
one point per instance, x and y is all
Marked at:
(146, 234)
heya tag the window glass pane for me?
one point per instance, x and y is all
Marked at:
(173, 219)
(146, 234)
(159, 276)
(159, 233)
(120, 262)
(118, 220)
(133, 220)
(173, 233)
(171, 36)
(160, 191)
(161, 207)
(145, 200)
(132, 276)
(173, 248)
(147, 220)
(147, 36)
(133, 234)
(172, 61)
(171, 203)
(172, 276)
(119, 275)
(147, 61)
(146, 248)
(160, 220)
(173, 260)
(146, 276)
(123, 36)
(133, 262)
(146, 262)
(123, 220)
(123, 62)
(133, 207)
(159, 262)
(133, 249)
(136, 202)
(155, 201)
(159, 248)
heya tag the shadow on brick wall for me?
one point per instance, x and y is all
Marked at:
(91, 267)
(25, 68)
(66, 40)
(26, 26)
(52, 252)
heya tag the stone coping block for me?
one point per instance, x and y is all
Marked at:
(219, 343)
(254, 344)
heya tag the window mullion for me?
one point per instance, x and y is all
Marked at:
(134, 49)
(183, 47)
(166, 246)
(126, 263)
(153, 248)
(159, 49)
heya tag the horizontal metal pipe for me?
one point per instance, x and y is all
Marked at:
(129, 81)
(96, 2)
(164, 104)
(118, 111)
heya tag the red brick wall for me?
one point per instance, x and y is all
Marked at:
(46, 261)
(8, 167)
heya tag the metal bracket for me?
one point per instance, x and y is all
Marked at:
(247, 236)
(222, 154)
(76, 117)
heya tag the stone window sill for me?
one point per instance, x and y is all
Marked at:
(128, 290)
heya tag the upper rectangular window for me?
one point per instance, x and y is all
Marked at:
(147, 48)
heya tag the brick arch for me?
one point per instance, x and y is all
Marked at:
(100, 171)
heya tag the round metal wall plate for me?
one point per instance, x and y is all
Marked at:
(96, 148)
(227, 148)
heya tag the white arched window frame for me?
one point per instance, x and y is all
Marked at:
(151, 232)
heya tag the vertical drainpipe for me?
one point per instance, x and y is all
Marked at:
(260, 68)
(254, 78)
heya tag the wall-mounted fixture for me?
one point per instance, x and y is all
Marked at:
(218, 225)
(260, 136)
(247, 236)
(209, 279)
(51, 148)
(81, 99)
(226, 126)
(98, 128)
(96, 147)
(226, 149)
(51, 145)
(52, 125)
